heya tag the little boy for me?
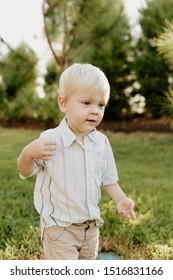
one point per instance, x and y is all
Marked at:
(72, 161)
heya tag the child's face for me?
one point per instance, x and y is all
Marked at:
(84, 112)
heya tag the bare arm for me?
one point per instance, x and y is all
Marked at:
(125, 205)
(38, 149)
(115, 192)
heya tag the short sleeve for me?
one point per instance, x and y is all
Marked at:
(36, 170)
(110, 175)
(38, 163)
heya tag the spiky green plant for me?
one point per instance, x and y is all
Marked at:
(166, 104)
(164, 45)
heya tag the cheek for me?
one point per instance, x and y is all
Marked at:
(102, 113)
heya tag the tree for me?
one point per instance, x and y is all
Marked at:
(51, 79)
(151, 69)
(73, 25)
(18, 70)
(164, 43)
(91, 31)
(18, 75)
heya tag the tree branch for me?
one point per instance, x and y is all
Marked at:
(59, 60)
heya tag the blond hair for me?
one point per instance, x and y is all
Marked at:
(83, 77)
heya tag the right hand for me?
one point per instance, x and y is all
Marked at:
(41, 149)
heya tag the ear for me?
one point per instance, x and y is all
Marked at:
(62, 103)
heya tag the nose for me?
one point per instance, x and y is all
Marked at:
(94, 110)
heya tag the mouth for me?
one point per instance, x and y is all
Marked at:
(93, 121)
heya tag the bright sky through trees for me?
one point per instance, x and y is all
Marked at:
(21, 20)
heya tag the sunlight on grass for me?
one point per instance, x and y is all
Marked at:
(142, 218)
(161, 251)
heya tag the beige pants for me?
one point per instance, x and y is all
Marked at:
(77, 241)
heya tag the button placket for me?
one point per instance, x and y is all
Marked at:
(89, 150)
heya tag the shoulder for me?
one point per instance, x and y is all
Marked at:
(103, 142)
(101, 137)
(50, 133)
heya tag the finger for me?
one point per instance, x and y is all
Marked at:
(131, 204)
(47, 157)
(49, 149)
(49, 153)
(50, 146)
(123, 213)
(130, 215)
(127, 214)
(49, 143)
(133, 214)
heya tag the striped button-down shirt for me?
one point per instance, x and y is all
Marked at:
(67, 188)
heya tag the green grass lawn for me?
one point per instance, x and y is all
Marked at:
(144, 161)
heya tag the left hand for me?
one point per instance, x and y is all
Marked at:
(125, 208)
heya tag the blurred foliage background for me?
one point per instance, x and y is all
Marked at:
(98, 32)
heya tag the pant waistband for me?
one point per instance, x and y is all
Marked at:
(87, 222)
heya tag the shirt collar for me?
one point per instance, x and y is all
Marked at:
(92, 135)
(69, 137)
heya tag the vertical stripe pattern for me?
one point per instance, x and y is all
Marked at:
(67, 188)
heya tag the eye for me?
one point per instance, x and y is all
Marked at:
(101, 105)
(85, 102)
